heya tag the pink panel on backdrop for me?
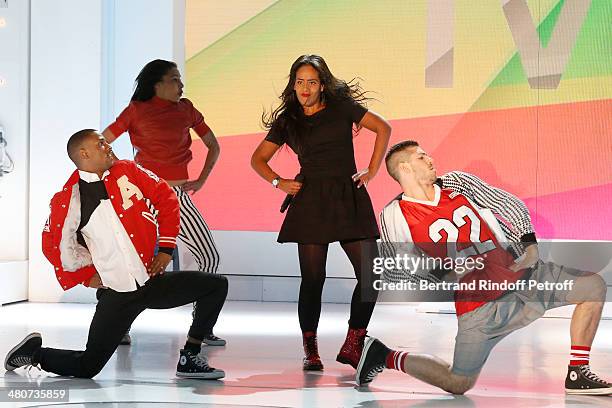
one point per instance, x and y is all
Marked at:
(235, 197)
(571, 151)
(578, 214)
(498, 146)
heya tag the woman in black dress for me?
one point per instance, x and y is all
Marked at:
(316, 119)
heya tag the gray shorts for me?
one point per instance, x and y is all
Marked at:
(481, 329)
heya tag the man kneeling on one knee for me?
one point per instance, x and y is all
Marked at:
(455, 216)
(101, 234)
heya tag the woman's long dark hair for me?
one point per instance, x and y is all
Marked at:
(287, 117)
(151, 74)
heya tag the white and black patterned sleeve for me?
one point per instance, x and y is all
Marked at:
(383, 221)
(514, 214)
(386, 244)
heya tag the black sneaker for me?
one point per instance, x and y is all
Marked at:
(581, 380)
(213, 340)
(193, 365)
(21, 355)
(372, 361)
(126, 340)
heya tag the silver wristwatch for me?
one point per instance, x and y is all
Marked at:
(276, 181)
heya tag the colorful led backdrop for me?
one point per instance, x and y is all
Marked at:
(518, 92)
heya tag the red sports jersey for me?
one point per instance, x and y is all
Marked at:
(453, 228)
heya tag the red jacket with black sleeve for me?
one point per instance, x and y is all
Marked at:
(128, 186)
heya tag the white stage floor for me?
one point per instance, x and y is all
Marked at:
(263, 360)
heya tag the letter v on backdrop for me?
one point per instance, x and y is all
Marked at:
(543, 65)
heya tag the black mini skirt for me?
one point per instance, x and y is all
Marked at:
(329, 209)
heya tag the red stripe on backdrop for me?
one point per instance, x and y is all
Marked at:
(570, 153)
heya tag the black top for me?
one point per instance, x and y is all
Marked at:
(91, 195)
(329, 207)
(326, 139)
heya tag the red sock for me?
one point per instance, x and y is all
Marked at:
(395, 360)
(579, 355)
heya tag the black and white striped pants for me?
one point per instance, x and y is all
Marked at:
(196, 235)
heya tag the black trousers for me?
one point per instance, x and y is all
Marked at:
(116, 311)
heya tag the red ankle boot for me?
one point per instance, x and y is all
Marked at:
(350, 352)
(312, 361)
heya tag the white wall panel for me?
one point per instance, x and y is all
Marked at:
(66, 60)
(14, 143)
(14, 89)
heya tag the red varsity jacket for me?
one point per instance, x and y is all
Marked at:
(128, 185)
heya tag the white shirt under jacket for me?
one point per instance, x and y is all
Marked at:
(112, 251)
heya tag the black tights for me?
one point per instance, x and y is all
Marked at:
(313, 258)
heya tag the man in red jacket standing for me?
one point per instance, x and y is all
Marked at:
(102, 234)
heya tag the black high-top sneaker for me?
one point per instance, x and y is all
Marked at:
(212, 340)
(581, 380)
(192, 365)
(126, 340)
(21, 355)
(372, 361)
